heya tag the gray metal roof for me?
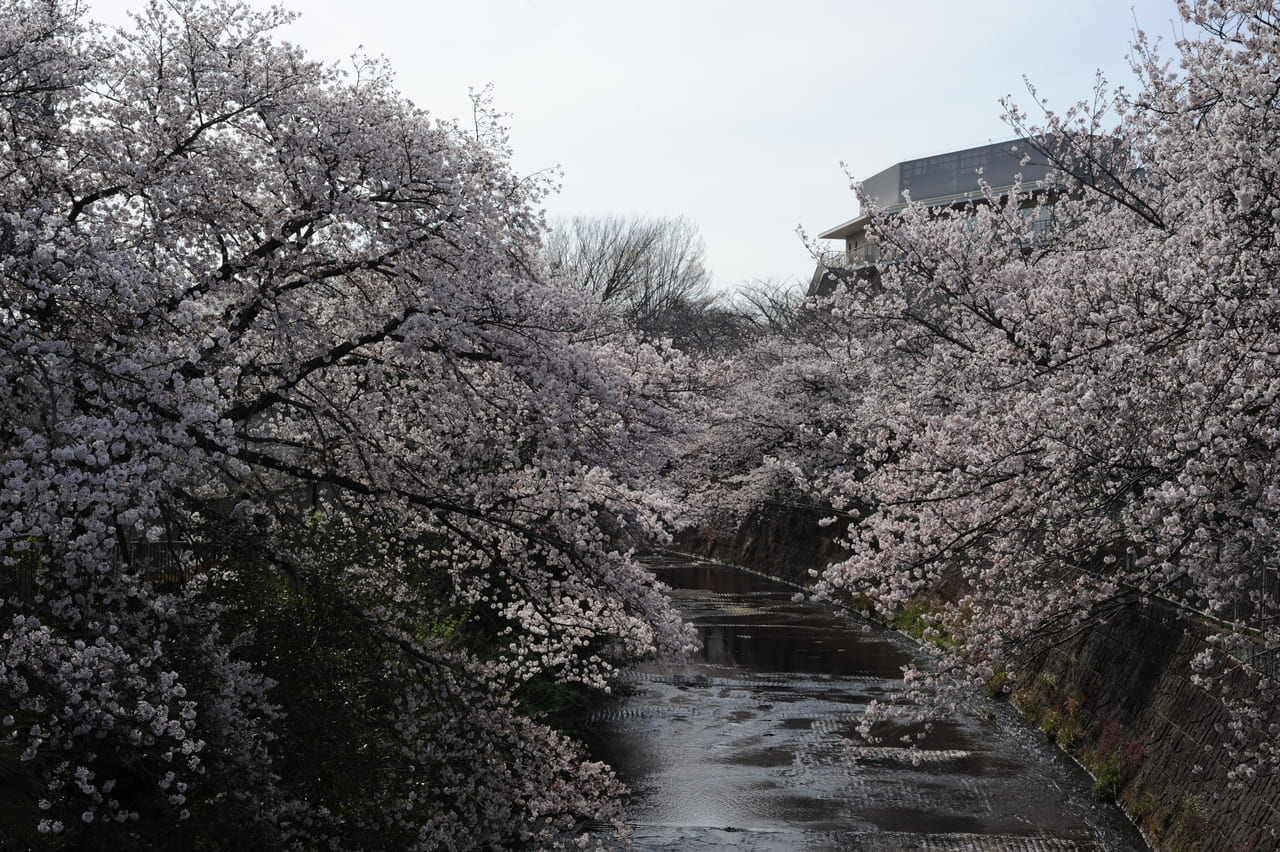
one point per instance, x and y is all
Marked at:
(948, 178)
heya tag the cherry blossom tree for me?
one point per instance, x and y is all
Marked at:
(1060, 427)
(297, 433)
(775, 406)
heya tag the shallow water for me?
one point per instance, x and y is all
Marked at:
(752, 744)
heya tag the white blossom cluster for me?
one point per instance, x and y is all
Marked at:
(774, 412)
(1061, 426)
(245, 297)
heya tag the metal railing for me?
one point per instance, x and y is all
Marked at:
(868, 254)
(167, 565)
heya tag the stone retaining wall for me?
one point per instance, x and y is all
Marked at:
(1119, 698)
(781, 538)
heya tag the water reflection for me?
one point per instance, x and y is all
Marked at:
(721, 579)
(783, 648)
(750, 622)
(754, 744)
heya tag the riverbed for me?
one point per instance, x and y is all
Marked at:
(752, 744)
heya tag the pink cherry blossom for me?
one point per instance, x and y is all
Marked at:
(248, 297)
(1061, 427)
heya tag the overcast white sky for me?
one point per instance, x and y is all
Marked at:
(738, 114)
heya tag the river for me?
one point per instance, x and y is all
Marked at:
(752, 745)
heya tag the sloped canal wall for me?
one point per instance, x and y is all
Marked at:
(1118, 698)
(780, 538)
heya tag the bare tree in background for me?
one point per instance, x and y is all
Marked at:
(771, 306)
(646, 268)
(652, 272)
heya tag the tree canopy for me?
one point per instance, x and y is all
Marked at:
(322, 458)
(1062, 426)
(307, 473)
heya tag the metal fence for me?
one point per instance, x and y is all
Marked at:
(167, 565)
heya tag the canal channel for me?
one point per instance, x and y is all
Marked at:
(752, 744)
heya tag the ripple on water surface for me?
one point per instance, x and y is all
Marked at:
(753, 744)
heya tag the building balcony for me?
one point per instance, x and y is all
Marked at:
(868, 254)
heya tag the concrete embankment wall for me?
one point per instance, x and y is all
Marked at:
(1118, 697)
(782, 539)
